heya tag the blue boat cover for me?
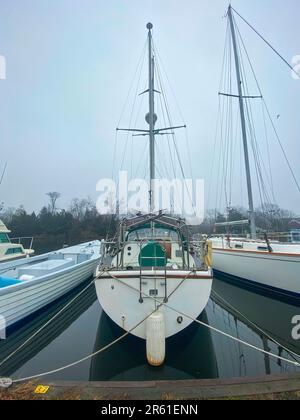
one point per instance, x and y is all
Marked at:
(5, 282)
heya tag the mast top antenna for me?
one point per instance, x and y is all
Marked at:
(149, 26)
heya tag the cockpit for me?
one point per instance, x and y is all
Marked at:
(153, 239)
(152, 233)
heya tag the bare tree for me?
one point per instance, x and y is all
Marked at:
(80, 208)
(53, 196)
(7, 214)
(77, 208)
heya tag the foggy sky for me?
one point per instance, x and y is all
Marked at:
(70, 64)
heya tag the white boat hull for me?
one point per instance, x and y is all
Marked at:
(20, 301)
(272, 272)
(120, 298)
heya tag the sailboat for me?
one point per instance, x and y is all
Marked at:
(262, 265)
(153, 264)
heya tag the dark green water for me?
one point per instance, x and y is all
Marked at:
(196, 353)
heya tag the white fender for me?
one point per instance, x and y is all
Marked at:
(156, 339)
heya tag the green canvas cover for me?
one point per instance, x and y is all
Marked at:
(152, 255)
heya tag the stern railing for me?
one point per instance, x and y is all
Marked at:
(20, 239)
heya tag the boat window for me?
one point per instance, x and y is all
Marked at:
(179, 253)
(262, 248)
(11, 251)
(4, 239)
(157, 233)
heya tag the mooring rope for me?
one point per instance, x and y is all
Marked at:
(40, 375)
(210, 327)
(77, 362)
(293, 354)
(46, 324)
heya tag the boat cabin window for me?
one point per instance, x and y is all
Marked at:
(156, 233)
(11, 251)
(262, 248)
(4, 239)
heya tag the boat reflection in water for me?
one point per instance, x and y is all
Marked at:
(236, 311)
(43, 339)
(190, 355)
(196, 352)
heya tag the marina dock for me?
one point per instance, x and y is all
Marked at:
(268, 387)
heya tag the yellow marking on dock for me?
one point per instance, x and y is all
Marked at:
(41, 389)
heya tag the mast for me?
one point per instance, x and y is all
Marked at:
(151, 119)
(243, 124)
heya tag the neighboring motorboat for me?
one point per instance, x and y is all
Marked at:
(26, 287)
(15, 356)
(10, 251)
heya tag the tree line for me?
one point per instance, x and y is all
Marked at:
(272, 219)
(53, 227)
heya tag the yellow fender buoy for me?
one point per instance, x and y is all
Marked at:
(208, 258)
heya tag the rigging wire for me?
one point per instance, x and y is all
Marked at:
(179, 110)
(259, 162)
(268, 153)
(138, 70)
(141, 102)
(132, 111)
(139, 65)
(282, 148)
(161, 157)
(213, 162)
(218, 121)
(226, 85)
(263, 174)
(270, 117)
(163, 111)
(267, 42)
(174, 139)
(3, 173)
(264, 197)
(166, 117)
(141, 161)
